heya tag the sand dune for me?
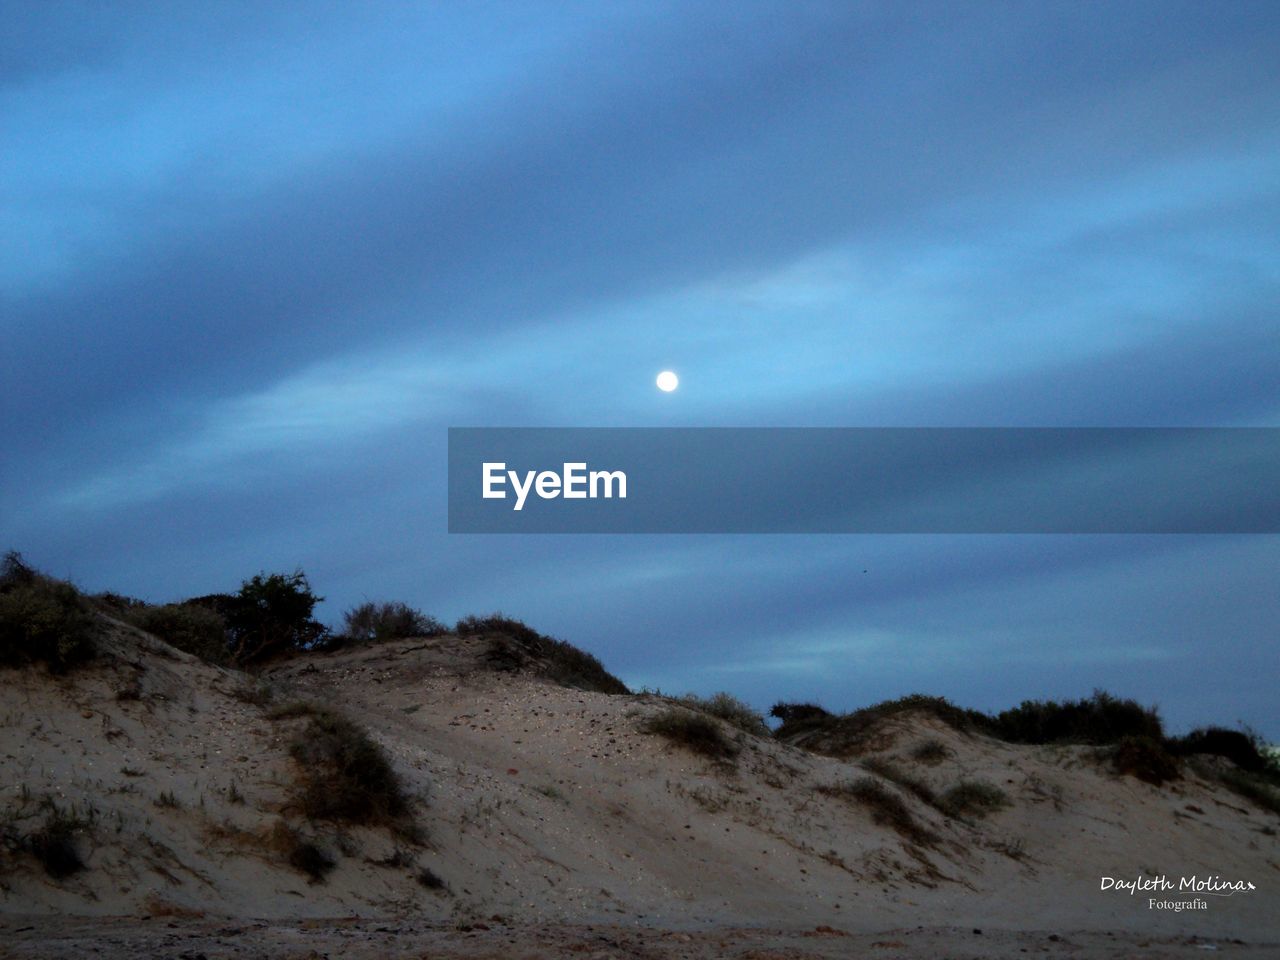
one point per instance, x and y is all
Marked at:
(553, 824)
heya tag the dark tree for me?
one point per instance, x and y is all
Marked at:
(271, 615)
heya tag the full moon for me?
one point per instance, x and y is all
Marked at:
(667, 381)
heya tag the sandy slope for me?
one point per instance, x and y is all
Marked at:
(554, 820)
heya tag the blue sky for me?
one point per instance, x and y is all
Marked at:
(258, 257)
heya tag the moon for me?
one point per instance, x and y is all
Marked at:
(667, 381)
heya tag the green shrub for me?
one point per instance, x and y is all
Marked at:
(346, 775)
(1146, 758)
(54, 845)
(270, 616)
(729, 709)
(913, 785)
(886, 808)
(311, 859)
(430, 879)
(42, 619)
(498, 623)
(191, 628)
(797, 716)
(931, 752)
(54, 842)
(515, 645)
(973, 798)
(1242, 748)
(849, 733)
(1256, 787)
(372, 622)
(1100, 719)
(692, 731)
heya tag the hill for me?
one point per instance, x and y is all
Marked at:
(468, 791)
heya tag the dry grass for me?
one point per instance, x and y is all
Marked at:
(886, 807)
(693, 731)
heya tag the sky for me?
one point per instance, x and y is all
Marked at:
(257, 258)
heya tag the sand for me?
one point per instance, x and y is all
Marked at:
(560, 828)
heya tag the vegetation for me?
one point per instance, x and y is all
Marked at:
(515, 645)
(931, 752)
(796, 717)
(1146, 758)
(42, 619)
(345, 775)
(886, 808)
(1262, 788)
(194, 629)
(729, 709)
(373, 622)
(53, 843)
(1099, 719)
(693, 731)
(1243, 748)
(850, 733)
(913, 785)
(970, 798)
(270, 616)
(301, 853)
(430, 879)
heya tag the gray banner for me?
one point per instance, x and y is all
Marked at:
(864, 480)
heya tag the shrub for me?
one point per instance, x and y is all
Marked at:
(693, 731)
(729, 709)
(1145, 758)
(516, 645)
(886, 808)
(1253, 786)
(498, 623)
(55, 847)
(371, 622)
(430, 879)
(931, 752)
(271, 615)
(346, 775)
(973, 798)
(798, 716)
(304, 855)
(42, 619)
(194, 629)
(1241, 748)
(849, 733)
(1100, 719)
(913, 785)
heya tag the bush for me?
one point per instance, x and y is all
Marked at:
(346, 775)
(913, 785)
(849, 733)
(430, 879)
(193, 629)
(54, 844)
(271, 615)
(307, 857)
(931, 752)
(1253, 786)
(886, 808)
(1100, 719)
(515, 645)
(693, 731)
(1145, 758)
(371, 622)
(973, 798)
(1241, 748)
(797, 716)
(729, 709)
(42, 619)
